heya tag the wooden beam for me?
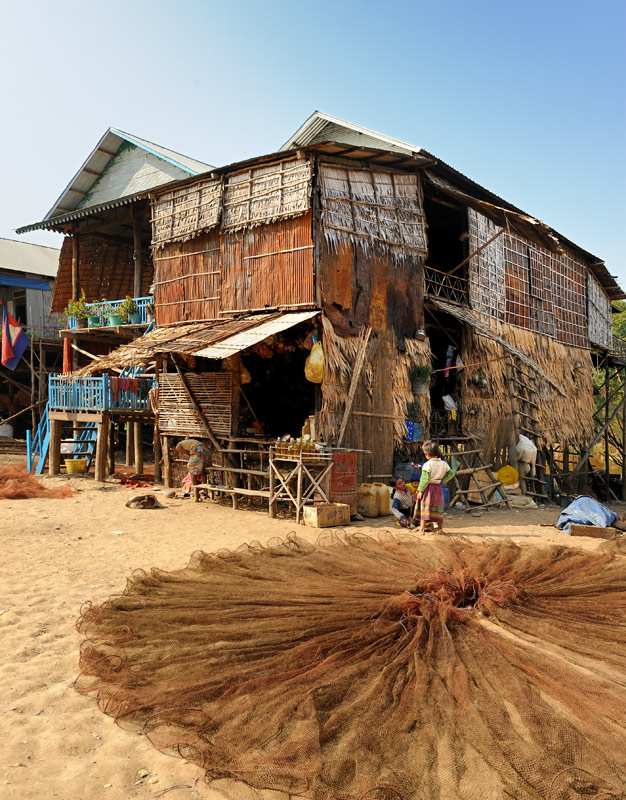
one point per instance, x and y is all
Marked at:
(138, 449)
(356, 374)
(54, 448)
(75, 258)
(136, 253)
(102, 449)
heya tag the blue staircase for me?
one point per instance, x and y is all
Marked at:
(39, 444)
(85, 445)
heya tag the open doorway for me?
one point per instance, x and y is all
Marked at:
(445, 335)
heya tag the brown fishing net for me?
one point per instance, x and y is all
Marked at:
(17, 483)
(386, 669)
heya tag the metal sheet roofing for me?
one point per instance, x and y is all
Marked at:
(120, 167)
(32, 258)
(194, 338)
(240, 341)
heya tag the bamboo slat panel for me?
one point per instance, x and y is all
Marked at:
(214, 394)
(373, 208)
(187, 279)
(181, 214)
(599, 324)
(263, 194)
(486, 269)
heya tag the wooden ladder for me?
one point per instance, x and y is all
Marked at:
(524, 406)
(471, 462)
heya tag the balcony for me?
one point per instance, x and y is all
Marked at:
(443, 286)
(100, 314)
(126, 393)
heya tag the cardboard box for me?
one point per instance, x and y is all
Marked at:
(328, 515)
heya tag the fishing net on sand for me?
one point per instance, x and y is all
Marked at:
(376, 669)
(17, 483)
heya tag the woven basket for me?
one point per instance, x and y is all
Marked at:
(75, 466)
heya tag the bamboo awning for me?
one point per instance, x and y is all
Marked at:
(217, 339)
(465, 315)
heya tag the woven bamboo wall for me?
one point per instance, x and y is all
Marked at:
(105, 266)
(181, 214)
(213, 392)
(599, 311)
(519, 282)
(268, 265)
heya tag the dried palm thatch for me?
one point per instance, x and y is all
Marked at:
(181, 214)
(339, 358)
(565, 417)
(390, 669)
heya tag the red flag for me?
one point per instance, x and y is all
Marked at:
(14, 340)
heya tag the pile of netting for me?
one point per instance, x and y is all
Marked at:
(377, 669)
(17, 483)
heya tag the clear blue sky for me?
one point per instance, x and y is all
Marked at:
(528, 99)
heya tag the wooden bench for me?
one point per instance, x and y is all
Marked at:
(234, 491)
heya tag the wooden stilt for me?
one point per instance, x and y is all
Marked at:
(130, 444)
(101, 448)
(54, 453)
(167, 463)
(138, 449)
(111, 469)
(624, 448)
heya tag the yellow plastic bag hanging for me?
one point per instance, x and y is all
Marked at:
(314, 365)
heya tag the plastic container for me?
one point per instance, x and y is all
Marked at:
(6, 430)
(343, 479)
(383, 498)
(367, 500)
(75, 466)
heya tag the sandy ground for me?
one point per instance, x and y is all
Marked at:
(60, 553)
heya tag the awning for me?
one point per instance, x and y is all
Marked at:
(467, 316)
(25, 283)
(218, 339)
(241, 341)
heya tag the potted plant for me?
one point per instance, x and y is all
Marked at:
(420, 377)
(129, 312)
(150, 311)
(111, 312)
(78, 309)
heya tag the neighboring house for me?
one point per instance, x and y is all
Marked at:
(27, 275)
(394, 260)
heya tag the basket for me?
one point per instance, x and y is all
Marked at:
(75, 466)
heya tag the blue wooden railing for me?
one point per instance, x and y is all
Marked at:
(95, 394)
(104, 309)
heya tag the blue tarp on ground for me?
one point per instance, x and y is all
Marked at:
(584, 510)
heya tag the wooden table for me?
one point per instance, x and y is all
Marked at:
(298, 478)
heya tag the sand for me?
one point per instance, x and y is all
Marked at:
(58, 554)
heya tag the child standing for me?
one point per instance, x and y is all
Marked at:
(429, 505)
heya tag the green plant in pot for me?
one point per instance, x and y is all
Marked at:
(79, 309)
(420, 377)
(111, 313)
(129, 312)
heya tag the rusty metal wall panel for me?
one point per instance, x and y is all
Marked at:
(268, 265)
(375, 290)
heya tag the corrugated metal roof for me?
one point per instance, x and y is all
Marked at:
(119, 167)
(240, 341)
(35, 259)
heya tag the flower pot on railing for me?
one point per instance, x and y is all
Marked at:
(114, 319)
(93, 321)
(134, 318)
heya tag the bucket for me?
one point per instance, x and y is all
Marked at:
(343, 480)
(383, 497)
(367, 500)
(75, 466)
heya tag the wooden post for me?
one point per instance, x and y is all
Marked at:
(167, 464)
(136, 254)
(130, 443)
(138, 449)
(54, 453)
(75, 260)
(32, 387)
(607, 461)
(624, 446)
(101, 448)
(156, 440)
(111, 469)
